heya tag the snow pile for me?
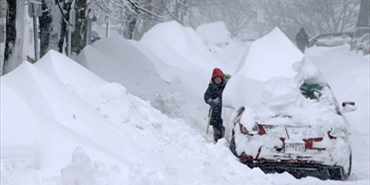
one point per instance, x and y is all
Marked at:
(276, 98)
(346, 73)
(277, 49)
(172, 54)
(214, 33)
(258, 67)
(130, 66)
(80, 169)
(49, 110)
(275, 90)
(184, 41)
(137, 68)
(62, 124)
(218, 40)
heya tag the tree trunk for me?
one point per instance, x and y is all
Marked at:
(45, 28)
(80, 26)
(131, 26)
(11, 33)
(63, 33)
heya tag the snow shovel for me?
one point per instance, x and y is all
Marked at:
(209, 118)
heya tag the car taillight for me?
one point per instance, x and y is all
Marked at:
(255, 130)
(243, 129)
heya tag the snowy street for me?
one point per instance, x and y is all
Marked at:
(132, 112)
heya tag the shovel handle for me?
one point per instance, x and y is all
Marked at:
(209, 120)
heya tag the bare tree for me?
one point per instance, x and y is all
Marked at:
(236, 14)
(13, 54)
(138, 16)
(45, 21)
(52, 24)
(11, 31)
(315, 16)
(79, 34)
(127, 13)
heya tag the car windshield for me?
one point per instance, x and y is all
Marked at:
(361, 32)
(365, 38)
(311, 91)
(332, 38)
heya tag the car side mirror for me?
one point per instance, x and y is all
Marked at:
(348, 106)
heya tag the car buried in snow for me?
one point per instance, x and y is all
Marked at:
(331, 39)
(358, 34)
(286, 122)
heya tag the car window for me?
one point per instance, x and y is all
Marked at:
(361, 32)
(322, 94)
(331, 39)
(365, 38)
(321, 36)
(311, 91)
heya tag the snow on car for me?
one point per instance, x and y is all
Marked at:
(331, 39)
(281, 115)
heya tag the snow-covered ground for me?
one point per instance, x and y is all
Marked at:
(137, 116)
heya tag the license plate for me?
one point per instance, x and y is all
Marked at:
(295, 147)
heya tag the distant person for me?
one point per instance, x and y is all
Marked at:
(213, 97)
(302, 40)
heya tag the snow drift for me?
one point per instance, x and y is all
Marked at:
(61, 124)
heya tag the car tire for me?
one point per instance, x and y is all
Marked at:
(232, 145)
(340, 173)
(347, 172)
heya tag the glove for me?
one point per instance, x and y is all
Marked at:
(213, 107)
(213, 102)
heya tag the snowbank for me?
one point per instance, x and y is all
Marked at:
(53, 121)
(171, 90)
(184, 41)
(266, 55)
(278, 93)
(61, 124)
(133, 68)
(258, 67)
(214, 33)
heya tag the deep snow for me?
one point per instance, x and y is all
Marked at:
(140, 117)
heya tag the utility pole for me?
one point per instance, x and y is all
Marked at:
(107, 18)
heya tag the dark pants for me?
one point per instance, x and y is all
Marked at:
(218, 132)
(216, 122)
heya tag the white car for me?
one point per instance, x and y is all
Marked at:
(358, 35)
(364, 44)
(281, 115)
(331, 39)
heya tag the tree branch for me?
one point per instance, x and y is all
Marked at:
(143, 9)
